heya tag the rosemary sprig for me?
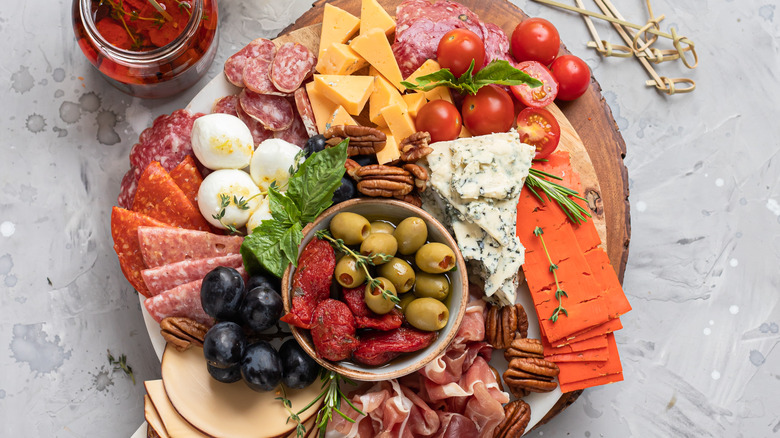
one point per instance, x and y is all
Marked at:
(362, 261)
(121, 364)
(562, 195)
(331, 397)
(559, 293)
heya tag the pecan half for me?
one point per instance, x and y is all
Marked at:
(503, 323)
(363, 140)
(182, 332)
(383, 188)
(530, 374)
(411, 198)
(420, 175)
(524, 348)
(517, 414)
(415, 147)
(352, 167)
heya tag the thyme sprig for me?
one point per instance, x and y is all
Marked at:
(224, 202)
(331, 397)
(121, 364)
(559, 293)
(300, 429)
(562, 195)
(363, 262)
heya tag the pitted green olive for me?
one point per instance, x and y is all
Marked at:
(348, 273)
(435, 258)
(432, 286)
(411, 234)
(382, 227)
(379, 243)
(427, 314)
(374, 298)
(405, 300)
(352, 228)
(400, 273)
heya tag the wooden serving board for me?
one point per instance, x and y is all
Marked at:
(589, 133)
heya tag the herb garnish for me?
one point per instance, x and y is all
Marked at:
(560, 194)
(331, 395)
(274, 244)
(498, 72)
(121, 364)
(559, 293)
(362, 261)
(224, 203)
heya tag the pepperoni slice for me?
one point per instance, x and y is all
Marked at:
(259, 133)
(234, 66)
(226, 105)
(273, 112)
(293, 63)
(303, 104)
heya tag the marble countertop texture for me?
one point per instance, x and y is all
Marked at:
(698, 350)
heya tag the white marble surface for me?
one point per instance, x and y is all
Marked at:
(698, 349)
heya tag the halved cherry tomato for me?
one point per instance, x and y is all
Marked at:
(538, 128)
(538, 97)
(440, 119)
(457, 48)
(573, 76)
(490, 110)
(535, 39)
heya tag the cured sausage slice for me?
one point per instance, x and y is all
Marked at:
(187, 177)
(124, 232)
(226, 105)
(160, 198)
(259, 133)
(293, 63)
(161, 246)
(295, 134)
(166, 277)
(234, 66)
(257, 77)
(303, 105)
(273, 112)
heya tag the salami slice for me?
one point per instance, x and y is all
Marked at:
(496, 44)
(273, 112)
(259, 133)
(226, 105)
(161, 246)
(166, 141)
(234, 65)
(127, 189)
(295, 134)
(124, 231)
(160, 198)
(187, 177)
(305, 111)
(292, 64)
(166, 277)
(257, 77)
(183, 300)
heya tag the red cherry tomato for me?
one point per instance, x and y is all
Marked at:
(573, 76)
(490, 110)
(440, 119)
(539, 128)
(457, 48)
(535, 39)
(540, 96)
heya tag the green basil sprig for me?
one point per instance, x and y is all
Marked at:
(498, 72)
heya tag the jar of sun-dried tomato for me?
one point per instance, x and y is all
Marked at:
(148, 48)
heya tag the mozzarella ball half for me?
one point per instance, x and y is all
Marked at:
(271, 162)
(226, 186)
(222, 141)
(262, 213)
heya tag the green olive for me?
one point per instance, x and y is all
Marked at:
(376, 301)
(382, 227)
(432, 286)
(348, 273)
(427, 314)
(352, 228)
(399, 272)
(435, 258)
(379, 243)
(411, 234)
(405, 300)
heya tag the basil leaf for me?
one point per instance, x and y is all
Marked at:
(262, 250)
(311, 187)
(503, 73)
(443, 77)
(283, 209)
(497, 72)
(290, 241)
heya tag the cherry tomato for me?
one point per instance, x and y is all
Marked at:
(440, 119)
(539, 128)
(490, 110)
(457, 48)
(540, 96)
(573, 76)
(535, 39)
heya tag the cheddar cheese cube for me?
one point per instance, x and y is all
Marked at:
(351, 92)
(399, 121)
(374, 16)
(339, 59)
(384, 94)
(374, 47)
(322, 106)
(391, 151)
(414, 102)
(340, 117)
(338, 26)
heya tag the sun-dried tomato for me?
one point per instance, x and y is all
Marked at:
(311, 282)
(379, 348)
(333, 330)
(365, 317)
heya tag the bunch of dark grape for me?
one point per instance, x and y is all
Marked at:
(243, 310)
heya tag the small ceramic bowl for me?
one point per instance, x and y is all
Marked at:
(407, 363)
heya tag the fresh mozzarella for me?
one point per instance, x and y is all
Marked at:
(222, 141)
(262, 213)
(232, 187)
(272, 161)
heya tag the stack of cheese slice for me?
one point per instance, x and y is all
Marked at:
(476, 184)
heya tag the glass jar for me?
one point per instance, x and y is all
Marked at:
(148, 48)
